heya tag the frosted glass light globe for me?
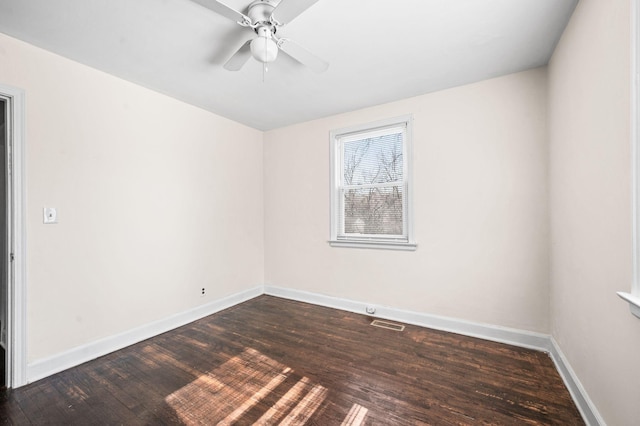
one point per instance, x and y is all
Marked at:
(264, 49)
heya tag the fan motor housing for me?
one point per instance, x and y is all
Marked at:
(260, 12)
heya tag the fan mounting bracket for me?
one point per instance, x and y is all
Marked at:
(260, 14)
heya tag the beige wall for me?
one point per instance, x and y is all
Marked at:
(481, 221)
(156, 199)
(590, 204)
(151, 194)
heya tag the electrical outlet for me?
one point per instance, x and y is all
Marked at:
(202, 293)
(371, 310)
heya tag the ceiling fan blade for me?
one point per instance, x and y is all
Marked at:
(302, 55)
(239, 58)
(223, 10)
(287, 10)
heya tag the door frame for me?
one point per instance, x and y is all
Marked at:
(16, 360)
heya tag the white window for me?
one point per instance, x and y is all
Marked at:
(371, 185)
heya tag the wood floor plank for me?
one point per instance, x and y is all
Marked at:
(274, 361)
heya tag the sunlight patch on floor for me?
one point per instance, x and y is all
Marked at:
(305, 408)
(240, 385)
(356, 416)
(254, 399)
(284, 404)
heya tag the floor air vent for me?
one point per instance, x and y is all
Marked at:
(388, 325)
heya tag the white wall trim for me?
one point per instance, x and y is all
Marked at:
(522, 338)
(635, 153)
(374, 245)
(16, 294)
(634, 302)
(527, 339)
(499, 334)
(588, 410)
(635, 161)
(45, 367)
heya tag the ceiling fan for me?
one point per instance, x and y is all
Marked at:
(265, 17)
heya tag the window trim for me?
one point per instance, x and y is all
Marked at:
(634, 297)
(387, 243)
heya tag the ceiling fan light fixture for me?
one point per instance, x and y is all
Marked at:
(265, 17)
(264, 49)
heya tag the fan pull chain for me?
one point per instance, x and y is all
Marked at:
(265, 70)
(264, 64)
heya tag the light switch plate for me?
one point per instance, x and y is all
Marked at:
(50, 215)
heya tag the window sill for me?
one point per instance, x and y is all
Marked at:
(634, 302)
(374, 245)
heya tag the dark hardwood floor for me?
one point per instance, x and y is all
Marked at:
(273, 361)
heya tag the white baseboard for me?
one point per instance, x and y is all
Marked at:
(510, 336)
(538, 341)
(81, 354)
(588, 410)
(522, 338)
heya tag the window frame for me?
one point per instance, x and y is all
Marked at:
(393, 242)
(633, 298)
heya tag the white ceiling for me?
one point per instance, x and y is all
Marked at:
(379, 50)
